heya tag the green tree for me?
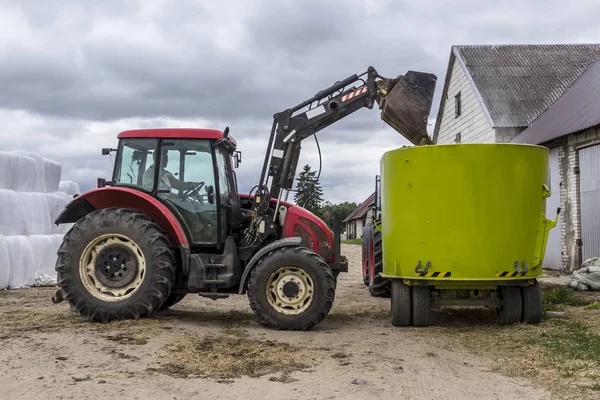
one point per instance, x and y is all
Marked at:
(342, 210)
(309, 193)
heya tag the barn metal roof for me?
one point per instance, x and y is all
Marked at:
(362, 209)
(519, 82)
(577, 109)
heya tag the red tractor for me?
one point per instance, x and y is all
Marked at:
(149, 236)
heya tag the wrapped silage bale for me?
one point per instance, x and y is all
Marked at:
(69, 187)
(17, 172)
(53, 173)
(44, 248)
(4, 264)
(57, 202)
(13, 219)
(21, 262)
(40, 172)
(37, 213)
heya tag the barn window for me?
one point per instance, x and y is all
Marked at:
(457, 106)
(457, 138)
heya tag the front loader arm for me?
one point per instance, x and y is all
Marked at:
(407, 112)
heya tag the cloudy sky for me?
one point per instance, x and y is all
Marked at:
(76, 73)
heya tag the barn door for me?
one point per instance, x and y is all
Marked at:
(589, 189)
(553, 256)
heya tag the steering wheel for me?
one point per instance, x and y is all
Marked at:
(194, 191)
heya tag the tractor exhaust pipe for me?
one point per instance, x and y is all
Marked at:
(405, 104)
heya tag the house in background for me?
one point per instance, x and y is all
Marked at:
(360, 217)
(537, 94)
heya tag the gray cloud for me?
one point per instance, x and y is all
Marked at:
(74, 75)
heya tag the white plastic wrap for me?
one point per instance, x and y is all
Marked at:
(45, 248)
(56, 204)
(13, 220)
(4, 264)
(22, 262)
(17, 172)
(53, 173)
(69, 187)
(39, 171)
(37, 213)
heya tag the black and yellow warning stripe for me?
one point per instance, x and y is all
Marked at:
(435, 274)
(509, 274)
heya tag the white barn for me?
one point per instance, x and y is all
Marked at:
(537, 94)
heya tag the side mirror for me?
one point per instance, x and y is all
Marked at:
(107, 150)
(101, 182)
(210, 193)
(238, 158)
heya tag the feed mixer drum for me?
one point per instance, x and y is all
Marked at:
(466, 212)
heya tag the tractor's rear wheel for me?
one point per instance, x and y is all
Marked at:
(378, 286)
(173, 299)
(115, 264)
(291, 288)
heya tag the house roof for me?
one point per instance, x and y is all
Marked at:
(516, 83)
(362, 209)
(577, 109)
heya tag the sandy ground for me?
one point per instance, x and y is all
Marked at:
(216, 350)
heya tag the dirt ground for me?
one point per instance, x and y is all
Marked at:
(216, 350)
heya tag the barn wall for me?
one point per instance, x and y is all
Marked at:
(472, 123)
(569, 163)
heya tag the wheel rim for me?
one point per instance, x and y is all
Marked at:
(112, 267)
(290, 290)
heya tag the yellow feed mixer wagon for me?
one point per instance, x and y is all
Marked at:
(462, 224)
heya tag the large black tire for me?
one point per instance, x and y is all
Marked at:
(378, 286)
(366, 246)
(421, 305)
(401, 299)
(532, 303)
(115, 234)
(511, 309)
(173, 299)
(289, 269)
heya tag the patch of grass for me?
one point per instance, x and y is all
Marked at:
(595, 386)
(353, 241)
(226, 357)
(594, 306)
(554, 299)
(566, 342)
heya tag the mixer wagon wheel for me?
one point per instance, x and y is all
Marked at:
(378, 286)
(421, 300)
(511, 308)
(401, 303)
(532, 303)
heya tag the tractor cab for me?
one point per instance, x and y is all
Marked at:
(188, 170)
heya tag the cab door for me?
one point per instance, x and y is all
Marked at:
(184, 162)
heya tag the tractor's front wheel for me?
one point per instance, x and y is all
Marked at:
(115, 264)
(291, 288)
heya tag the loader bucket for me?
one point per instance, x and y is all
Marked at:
(407, 105)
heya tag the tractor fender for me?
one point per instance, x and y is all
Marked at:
(285, 242)
(120, 197)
